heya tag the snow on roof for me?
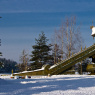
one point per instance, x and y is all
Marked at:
(30, 71)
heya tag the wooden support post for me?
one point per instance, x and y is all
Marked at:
(72, 54)
(81, 67)
(81, 62)
(81, 48)
(12, 72)
(85, 47)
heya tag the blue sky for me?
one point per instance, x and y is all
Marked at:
(23, 20)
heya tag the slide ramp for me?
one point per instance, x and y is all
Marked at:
(78, 57)
(63, 65)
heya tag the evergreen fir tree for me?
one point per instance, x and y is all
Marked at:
(41, 53)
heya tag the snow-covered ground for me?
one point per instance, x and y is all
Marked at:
(44, 85)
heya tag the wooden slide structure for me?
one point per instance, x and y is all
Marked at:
(62, 66)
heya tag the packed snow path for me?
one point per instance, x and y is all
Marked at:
(54, 85)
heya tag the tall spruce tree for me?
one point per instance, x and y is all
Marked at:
(41, 53)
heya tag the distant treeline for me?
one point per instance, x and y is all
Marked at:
(6, 65)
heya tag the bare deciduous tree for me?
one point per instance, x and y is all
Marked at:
(68, 38)
(24, 58)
